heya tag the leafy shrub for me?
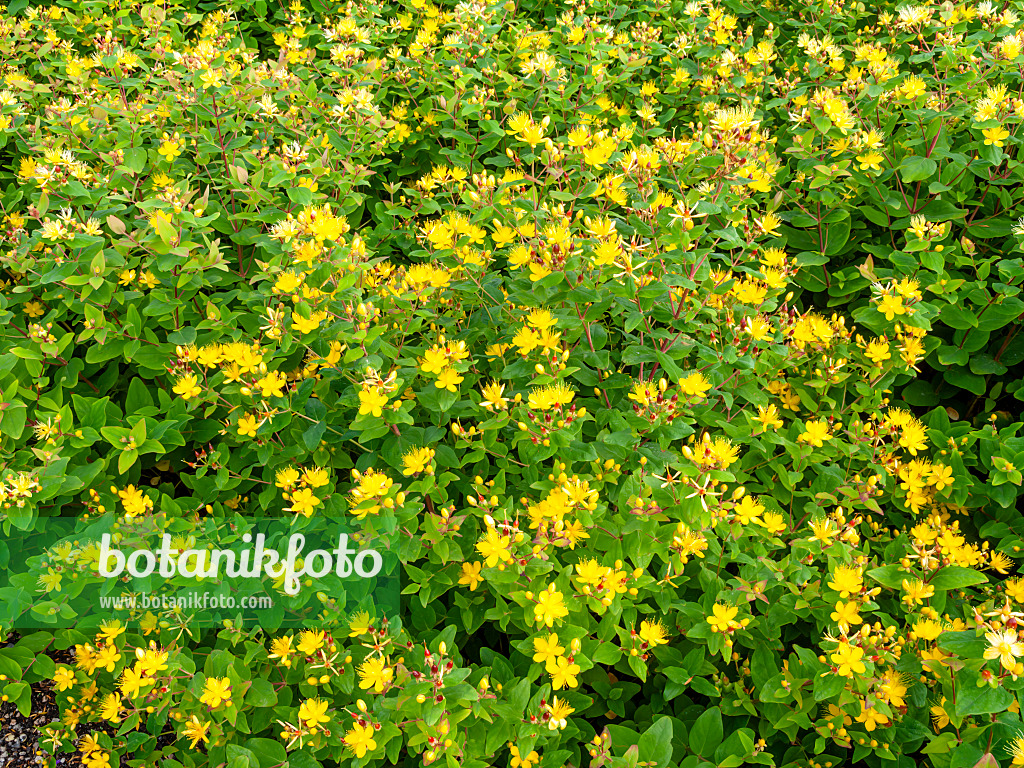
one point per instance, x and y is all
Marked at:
(568, 308)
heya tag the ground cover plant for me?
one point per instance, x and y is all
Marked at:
(674, 348)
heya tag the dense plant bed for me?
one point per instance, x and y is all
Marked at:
(672, 348)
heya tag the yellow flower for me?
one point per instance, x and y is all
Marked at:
(848, 660)
(533, 133)
(917, 591)
(550, 607)
(418, 460)
(893, 688)
(494, 548)
(493, 395)
(316, 477)
(940, 719)
(303, 502)
(360, 739)
(50, 580)
(1016, 747)
(376, 674)
(170, 150)
(216, 691)
(816, 433)
(941, 476)
(529, 761)
(1004, 646)
(1015, 589)
(286, 478)
(247, 425)
(563, 673)
(110, 709)
(470, 575)
(63, 678)
(747, 510)
(434, 360)
(870, 161)
(133, 679)
(847, 580)
(449, 379)
(890, 306)
(911, 88)
(288, 282)
(310, 641)
(312, 712)
(877, 351)
(995, 135)
(211, 78)
(926, 629)
(503, 235)
(371, 401)
(695, 385)
(769, 224)
(27, 168)
(188, 387)
(846, 615)
(195, 729)
(871, 718)
(822, 530)
(360, 624)
(272, 385)
(559, 711)
(652, 633)
(307, 325)
(547, 650)
(281, 648)
(33, 309)
(773, 522)
(723, 618)
(768, 418)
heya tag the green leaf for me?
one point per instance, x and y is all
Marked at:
(891, 576)
(972, 699)
(267, 751)
(135, 159)
(302, 759)
(12, 419)
(735, 750)
(126, 460)
(914, 168)
(920, 393)
(957, 577)
(240, 757)
(656, 742)
(958, 317)
(311, 437)
(964, 379)
(167, 234)
(22, 518)
(828, 686)
(138, 396)
(21, 695)
(965, 644)
(836, 236)
(300, 195)
(607, 653)
(706, 733)
(984, 364)
(998, 315)
(261, 694)
(8, 666)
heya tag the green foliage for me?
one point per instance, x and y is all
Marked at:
(593, 314)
